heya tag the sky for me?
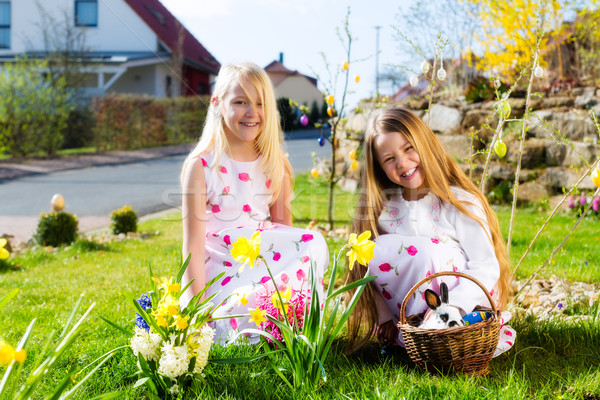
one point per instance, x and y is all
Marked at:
(259, 30)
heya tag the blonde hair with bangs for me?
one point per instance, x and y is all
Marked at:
(440, 173)
(269, 142)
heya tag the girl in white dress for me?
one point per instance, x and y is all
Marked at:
(428, 217)
(237, 181)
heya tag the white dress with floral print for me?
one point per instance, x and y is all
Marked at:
(237, 205)
(423, 237)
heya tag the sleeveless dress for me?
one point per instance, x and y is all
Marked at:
(238, 200)
(423, 237)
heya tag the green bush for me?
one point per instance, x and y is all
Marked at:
(481, 89)
(124, 220)
(56, 228)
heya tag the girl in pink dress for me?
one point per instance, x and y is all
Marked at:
(236, 181)
(428, 217)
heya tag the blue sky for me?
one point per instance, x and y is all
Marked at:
(258, 30)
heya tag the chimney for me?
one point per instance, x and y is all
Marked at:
(281, 57)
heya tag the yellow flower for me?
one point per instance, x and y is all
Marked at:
(4, 254)
(8, 354)
(160, 320)
(285, 297)
(596, 177)
(181, 322)
(243, 299)
(361, 249)
(166, 285)
(246, 251)
(257, 315)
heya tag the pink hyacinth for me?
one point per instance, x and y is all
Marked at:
(277, 256)
(582, 200)
(215, 208)
(244, 177)
(385, 267)
(246, 208)
(596, 204)
(412, 250)
(307, 237)
(571, 201)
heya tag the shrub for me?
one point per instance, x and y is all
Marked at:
(56, 228)
(481, 89)
(124, 220)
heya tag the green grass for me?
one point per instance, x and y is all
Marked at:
(551, 359)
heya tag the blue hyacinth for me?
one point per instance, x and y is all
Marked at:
(146, 303)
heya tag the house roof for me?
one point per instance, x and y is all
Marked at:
(166, 27)
(278, 73)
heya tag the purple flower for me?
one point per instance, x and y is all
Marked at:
(572, 202)
(560, 306)
(146, 303)
(582, 200)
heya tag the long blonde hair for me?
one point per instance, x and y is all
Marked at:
(269, 141)
(441, 172)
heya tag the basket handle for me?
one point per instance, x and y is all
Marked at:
(445, 273)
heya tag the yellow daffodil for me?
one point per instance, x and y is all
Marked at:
(8, 353)
(181, 322)
(596, 177)
(166, 285)
(286, 297)
(243, 299)
(257, 315)
(361, 249)
(246, 251)
(4, 254)
(160, 320)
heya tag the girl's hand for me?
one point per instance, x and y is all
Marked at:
(387, 332)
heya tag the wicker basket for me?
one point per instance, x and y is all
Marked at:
(466, 349)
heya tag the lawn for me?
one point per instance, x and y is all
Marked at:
(555, 358)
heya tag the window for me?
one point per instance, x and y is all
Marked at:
(4, 24)
(86, 12)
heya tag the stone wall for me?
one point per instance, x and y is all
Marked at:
(560, 141)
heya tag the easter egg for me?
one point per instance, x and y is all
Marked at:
(441, 74)
(503, 109)
(352, 155)
(330, 99)
(330, 111)
(414, 80)
(500, 148)
(354, 165)
(357, 78)
(304, 120)
(596, 177)
(314, 172)
(321, 141)
(424, 66)
(345, 66)
(57, 202)
(538, 72)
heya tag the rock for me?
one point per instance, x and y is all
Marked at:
(575, 124)
(589, 91)
(585, 101)
(559, 101)
(532, 193)
(476, 119)
(558, 178)
(580, 154)
(555, 153)
(533, 153)
(444, 119)
(539, 123)
(357, 122)
(501, 172)
(457, 146)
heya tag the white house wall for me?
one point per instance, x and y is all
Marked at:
(301, 90)
(138, 80)
(119, 27)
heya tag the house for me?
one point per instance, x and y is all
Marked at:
(126, 46)
(294, 85)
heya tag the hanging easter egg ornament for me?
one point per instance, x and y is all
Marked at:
(424, 66)
(441, 74)
(321, 141)
(500, 148)
(596, 177)
(57, 202)
(330, 99)
(352, 155)
(346, 65)
(538, 72)
(330, 111)
(414, 80)
(503, 109)
(314, 172)
(304, 120)
(357, 78)
(354, 165)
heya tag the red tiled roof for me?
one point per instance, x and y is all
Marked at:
(165, 25)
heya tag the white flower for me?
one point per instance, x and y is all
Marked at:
(146, 344)
(174, 390)
(174, 360)
(199, 342)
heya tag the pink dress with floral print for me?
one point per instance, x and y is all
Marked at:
(423, 237)
(237, 205)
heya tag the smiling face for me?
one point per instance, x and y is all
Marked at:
(401, 163)
(243, 116)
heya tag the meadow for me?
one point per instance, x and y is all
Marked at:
(552, 358)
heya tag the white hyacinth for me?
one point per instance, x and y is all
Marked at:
(146, 344)
(174, 360)
(199, 342)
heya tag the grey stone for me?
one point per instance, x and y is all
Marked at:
(555, 153)
(585, 101)
(444, 119)
(558, 178)
(534, 153)
(589, 91)
(457, 146)
(501, 172)
(532, 192)
(539, 123)
(580, 155)
(553, 102)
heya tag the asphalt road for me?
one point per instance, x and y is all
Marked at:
(148, 186)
